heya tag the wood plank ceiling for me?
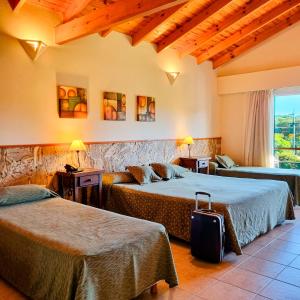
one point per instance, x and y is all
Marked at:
(216, 30)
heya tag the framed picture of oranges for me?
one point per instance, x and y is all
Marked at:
(72, 102)
(145, 109)
(114, 106)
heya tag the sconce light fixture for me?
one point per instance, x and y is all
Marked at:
(172, 76)
(33, 48)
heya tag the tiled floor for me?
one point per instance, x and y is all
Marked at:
(268, 269)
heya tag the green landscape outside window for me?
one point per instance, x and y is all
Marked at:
(287, 132)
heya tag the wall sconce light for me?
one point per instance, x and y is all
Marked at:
(172, 76)
(33, 48)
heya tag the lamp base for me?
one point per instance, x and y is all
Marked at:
(79, 169)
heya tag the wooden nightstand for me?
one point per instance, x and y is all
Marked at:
(70, 184)
(196, 164)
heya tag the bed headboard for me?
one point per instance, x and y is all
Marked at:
(38, 163)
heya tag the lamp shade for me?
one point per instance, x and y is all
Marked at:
(77, 145)
(188, 140)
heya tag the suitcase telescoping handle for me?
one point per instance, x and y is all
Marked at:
(206, 194)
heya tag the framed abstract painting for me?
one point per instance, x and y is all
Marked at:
(145, 109)
(114, 105)
(72, 102)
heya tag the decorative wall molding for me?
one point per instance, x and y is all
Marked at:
(38, 163)
(102, 142)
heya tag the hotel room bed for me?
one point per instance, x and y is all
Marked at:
(291, 176)
(58, 249)
(250, 207)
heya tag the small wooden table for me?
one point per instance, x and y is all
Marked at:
(72, 183)
(198, 164)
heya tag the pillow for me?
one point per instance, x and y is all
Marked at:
(168, 171)
(117, 177)
(180, 170)
(143, 174)
(225, 161)
(23, 193)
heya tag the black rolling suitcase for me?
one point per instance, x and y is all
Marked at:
(207, 233)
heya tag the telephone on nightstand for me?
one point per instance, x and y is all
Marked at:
(71, 169)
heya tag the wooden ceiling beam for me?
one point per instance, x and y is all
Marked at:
(157, 20)
(248, 29)
(109, 16)
(190, 25)
(239, 15)
(106, 32)
(75, 9)
(16, 5)
(257, 39)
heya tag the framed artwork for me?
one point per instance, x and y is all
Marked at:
(72, 102)
(114, 105)
(145, 109)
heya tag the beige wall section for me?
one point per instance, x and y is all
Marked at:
(28, 89)
(233, 122)
(270, 79)
(280, 51)
(274, 63)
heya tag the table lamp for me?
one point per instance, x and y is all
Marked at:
(78, 145)
(188, 140)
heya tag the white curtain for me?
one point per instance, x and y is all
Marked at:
(258, 150)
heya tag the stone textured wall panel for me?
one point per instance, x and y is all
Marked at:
(38, 164)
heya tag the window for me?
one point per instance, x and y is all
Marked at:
(287, 131)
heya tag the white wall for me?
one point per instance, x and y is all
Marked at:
(233, 125)
(263, 80)
(28, 89)
(234, 102)
(272, 64)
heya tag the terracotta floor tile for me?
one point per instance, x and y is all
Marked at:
(285, 227)
(251, 249)
(290, 275)
(295, 230)
(276, 232)
(263, 240)
(275, 255)
(290, 236)
(235, 260)
(295, 263)
(197, 285)
(262, 267)
(180, 245)
(9, 293)
(246, 280)
(258, 297)
(197, 266)
(226, 291)
(278, 290)
(168, 294)
(287, 246)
